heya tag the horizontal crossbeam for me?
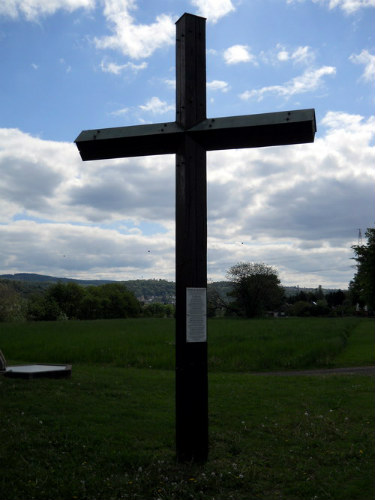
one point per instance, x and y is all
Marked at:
(255, 131)
(121, 142)
(248, 131)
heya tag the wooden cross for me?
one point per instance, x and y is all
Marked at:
(189, 137)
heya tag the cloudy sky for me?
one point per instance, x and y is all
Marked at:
(70, 65)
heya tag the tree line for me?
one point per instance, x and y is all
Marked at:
(252, 290)
(62, 301)
(257, 291)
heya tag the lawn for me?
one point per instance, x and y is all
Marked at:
(234, 345)
(108, 431)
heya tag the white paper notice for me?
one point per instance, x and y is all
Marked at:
(196, 315)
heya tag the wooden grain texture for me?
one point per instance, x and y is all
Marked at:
(231, 132)
(190, 70)
(191, 240)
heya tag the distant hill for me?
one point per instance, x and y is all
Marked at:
(152, 290)
(145, 290)
(41, 278)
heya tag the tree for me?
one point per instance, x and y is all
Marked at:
(158, 310)
(256, 288)
(118, 302)
(215, 302)
(335, 299)
(91, 305)
(301, 308)
(72, 301)
(68, 297)
(319, 293)
(11, 303)
(43, 307)
(362, 288)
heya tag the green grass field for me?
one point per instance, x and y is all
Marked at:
(108, 432)
(234, 345)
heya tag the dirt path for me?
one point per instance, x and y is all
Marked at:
(354, 370)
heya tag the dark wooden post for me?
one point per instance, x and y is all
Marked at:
(191, 245)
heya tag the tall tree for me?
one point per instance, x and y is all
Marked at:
(362, 287)
(256, 288)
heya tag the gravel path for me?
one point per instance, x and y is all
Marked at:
(353, 370)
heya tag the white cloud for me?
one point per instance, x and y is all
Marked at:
(302, 55)
(213, 10)
(348, 6)
(52, 210)
(47, 180)
(137, 41)
(291, 201)
(239, 53)
(65, 65)
(31, 172)
(85, 251)
(33, 9)
(281, 54)
(212, 52)
(117, 69)
(309, 81)
(157, 106)
(120, 112)
(351, 136)
(218, 85)
(170, 83)
(368, 60)
(286, 206)
(299, 55)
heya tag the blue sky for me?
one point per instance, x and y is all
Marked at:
(69, 65)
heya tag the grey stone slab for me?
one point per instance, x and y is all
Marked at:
(38, 371)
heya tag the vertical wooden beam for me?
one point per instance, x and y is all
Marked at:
(191, 243)
(190, 70)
